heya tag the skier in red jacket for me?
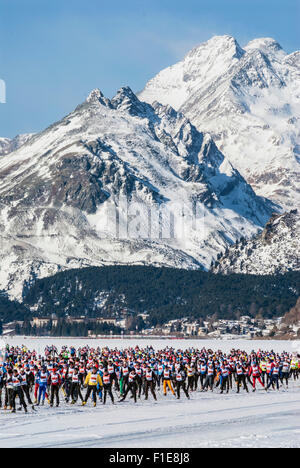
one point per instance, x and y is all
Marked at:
(54, 381)
(255, 372)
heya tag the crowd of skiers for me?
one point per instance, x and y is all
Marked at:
(33, 379)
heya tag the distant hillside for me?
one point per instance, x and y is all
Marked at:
(11, 310)
(164, 293)
(293, 316)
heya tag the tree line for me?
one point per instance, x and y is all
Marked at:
(164, 293)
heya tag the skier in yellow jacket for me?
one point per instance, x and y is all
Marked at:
(167, 381)
(92, 381)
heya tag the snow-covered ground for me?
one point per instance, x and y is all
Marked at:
(207, 420)
(39, 343)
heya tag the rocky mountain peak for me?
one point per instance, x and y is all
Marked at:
(218, 45)
(126, 100)
(248, 100)
(96, 96)
(268, 45)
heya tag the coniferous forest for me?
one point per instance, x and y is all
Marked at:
(163, 293)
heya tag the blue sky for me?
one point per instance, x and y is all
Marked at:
(53, 52)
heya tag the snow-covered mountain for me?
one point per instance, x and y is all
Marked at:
(248, 99)
(8, 145)
(58, 193)
(275, 250)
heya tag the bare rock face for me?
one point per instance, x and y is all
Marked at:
(275, 250)
(58, 190)
(248, 100)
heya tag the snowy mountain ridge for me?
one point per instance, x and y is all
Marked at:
(248, 99)
(60, 193)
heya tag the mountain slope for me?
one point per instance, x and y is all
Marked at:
(60, 193)
(248, 99)
(275, 250)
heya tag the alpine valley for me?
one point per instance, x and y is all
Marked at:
(218, 132)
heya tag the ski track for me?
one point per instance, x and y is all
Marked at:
(208, 420)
